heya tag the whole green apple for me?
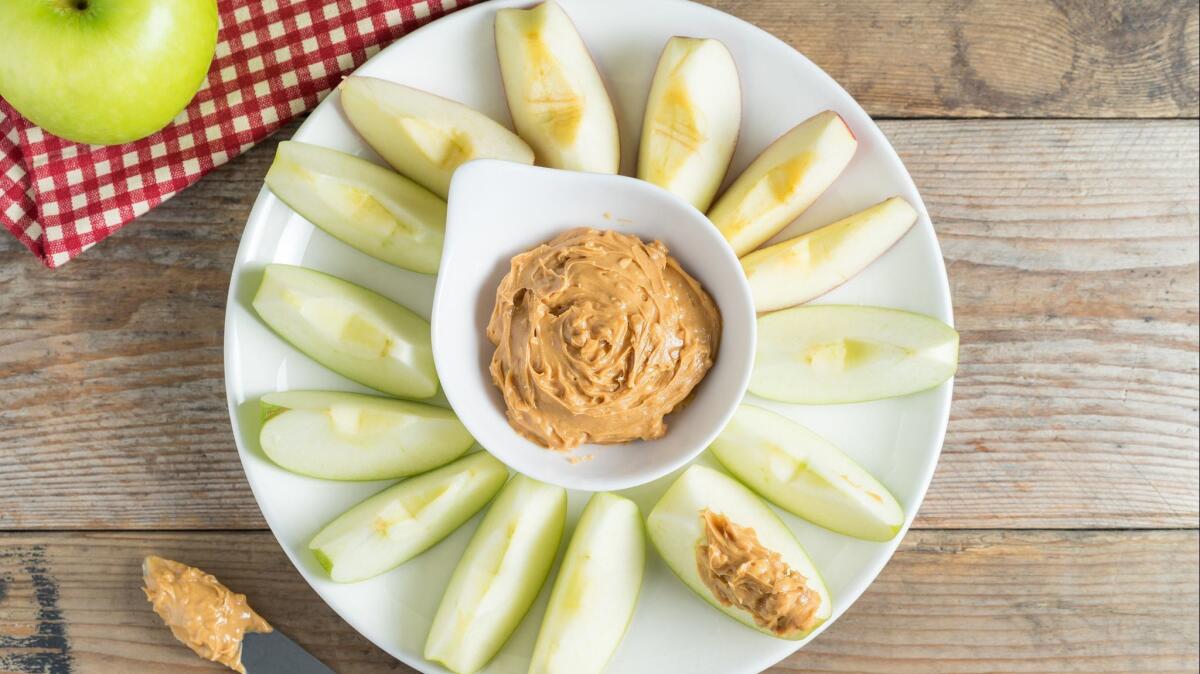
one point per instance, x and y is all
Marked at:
(104, 71)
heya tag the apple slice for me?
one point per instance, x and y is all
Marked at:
(422, 135)
(374, 209)
(692, 119)
(676, 529)
(355, 332)
(806, 475)
(406, 519)
(555, 93)
(349, 436)
(826, 354)
(783, 181)
(596, 590)
(810, 265)
(500, 574)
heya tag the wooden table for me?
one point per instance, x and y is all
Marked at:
(1056, 145)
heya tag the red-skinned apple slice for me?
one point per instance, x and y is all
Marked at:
(422, 135)
(807, 266)
(783, 181)
(692, 119)
(555, 93)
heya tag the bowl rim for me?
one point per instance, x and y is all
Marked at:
(738, 328)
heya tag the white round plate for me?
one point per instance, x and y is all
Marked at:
(673, 630)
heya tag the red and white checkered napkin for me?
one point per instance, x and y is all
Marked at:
(274, 59)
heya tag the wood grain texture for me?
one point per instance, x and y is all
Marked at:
(1072, 252)
(950, 601)
(1072, 249)
(973, 58)
(1022, 601)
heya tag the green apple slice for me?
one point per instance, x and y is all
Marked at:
(596, 590)
(693, 115)
(807, 266)
(676, 530)
(783, 181)
(500, 574)
(806, 475)
(828, 354)
(353, 331)
(374, 209)
(422, 135)
(349, 436)
(407, 518)
(555, 93)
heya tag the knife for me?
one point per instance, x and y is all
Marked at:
(273, 653)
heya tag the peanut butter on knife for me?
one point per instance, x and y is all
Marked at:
(201, 612)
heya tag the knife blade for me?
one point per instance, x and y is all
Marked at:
(274, 653)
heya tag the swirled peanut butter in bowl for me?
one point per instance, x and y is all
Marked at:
(599, 336)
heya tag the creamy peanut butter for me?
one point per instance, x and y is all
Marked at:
(742, 573)
(598, 337)
(201, 612)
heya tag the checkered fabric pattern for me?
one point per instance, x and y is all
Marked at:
(274, 59)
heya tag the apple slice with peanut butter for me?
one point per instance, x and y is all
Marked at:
(732, 550)
(740, 572)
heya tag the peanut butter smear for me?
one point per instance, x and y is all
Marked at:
(201, 612)
(598, 337)
(742, 573)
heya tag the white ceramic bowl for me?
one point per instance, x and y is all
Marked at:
(499, 209)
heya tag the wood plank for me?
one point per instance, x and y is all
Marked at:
(950, 601)
(997, 58)
(1072, 253)
(1022, 601)
(1072, 249)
